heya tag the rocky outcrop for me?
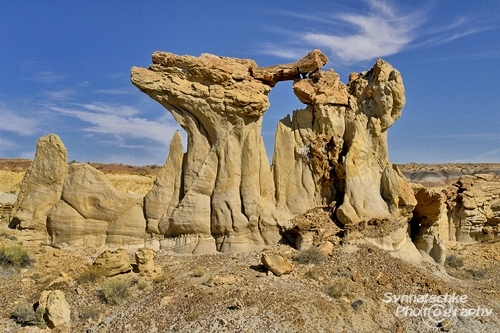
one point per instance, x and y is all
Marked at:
(474, 208)
(164, 196)
(91, 212)
(335, 150)
(429, 225)
(111, 263)
(41, 187)
(227, 192)
(222, 195)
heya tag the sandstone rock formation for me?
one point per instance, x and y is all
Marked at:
(429, 225)
(41, 187)
(474, 208)
(335, 150)
(332, 152)
(227, 192)
(111, 263)
(92, 212)
(55, 310)
(222, 195)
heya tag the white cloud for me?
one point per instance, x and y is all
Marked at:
(43, 76)
(59, 95)
(380, 31)
(120, 122)
(113, 91)
(14, 123)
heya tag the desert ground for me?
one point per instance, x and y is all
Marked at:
(346, 290)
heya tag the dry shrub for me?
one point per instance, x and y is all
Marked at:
(311, 256)
(115, 291)
(14, 256)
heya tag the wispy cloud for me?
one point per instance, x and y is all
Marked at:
(382, 30)
(470, 136)
(119, 121)
(59, 95)
(43, 76)
(113, 91)
(13, 123)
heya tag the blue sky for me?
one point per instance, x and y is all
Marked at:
(65, 67)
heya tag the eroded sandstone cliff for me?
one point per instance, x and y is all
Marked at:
(222, 195)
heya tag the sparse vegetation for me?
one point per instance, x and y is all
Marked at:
(115, 291)
(142, 285)
(338, 289)
(313, 273)
(454, 261)
(89, 312)
(26, 314)
(160, 279)
(198, 272)
(193, 316)
(310, 256)
(89, 275)
(14, 256)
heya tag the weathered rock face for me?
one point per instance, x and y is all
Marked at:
(227, 192)
(92, 212)
(41, 187)
(474, 208)
(164, 196)
(222, 195)
(429, 225)
(55, 310)
(335, 150)
(111, 263)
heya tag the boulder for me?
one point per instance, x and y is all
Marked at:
(113, 262)
(55, 310)
(276, 264)
(144, 257)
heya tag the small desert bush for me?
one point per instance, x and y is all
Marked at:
(25, 314)
(198, 272)
(193, 316)
(14, 256)
(453, 261)
(89, 312)
(89, 275)
(142, 285)
(338, 289)
(310, 256)
(115, 291)
(160, 278)
(313, 273)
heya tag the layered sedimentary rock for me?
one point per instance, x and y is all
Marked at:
(335, 150)
(222, 194)
(92, 212)
(227, 192)
(41, 187)
(429, 225)
(474, 208)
